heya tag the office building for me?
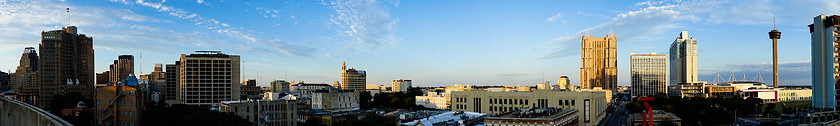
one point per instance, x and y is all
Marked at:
(335, 100)
(265, 112)
(119, 104)
(400, 85)
(306, 90)
(683, 60)
(280, 86)
(535, 117)
(173, 79)
(158, 75)
(25, 79)
(208, 78)
(5, 81)
(563, 83)
(249, 89)
(648, 73)
(598, 63)
(65, 64)
(122, 67)
(352, 79)
(592, 104)
(824, 37)
(103, 78)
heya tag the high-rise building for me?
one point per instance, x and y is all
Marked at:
(649, 72)
(66, 64)
(208, 78)
(103, 78)
(824, 38)
(683, 60)
(173, 79)
(352, 79)
(119, 104)
(280, 86)
(122, 67)
(598, 63)
(25, 79)
(400, 85)
(158, 74)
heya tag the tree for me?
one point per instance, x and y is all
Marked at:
(364, 100)
(159, 115)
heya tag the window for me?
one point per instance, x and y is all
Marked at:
(98, 102)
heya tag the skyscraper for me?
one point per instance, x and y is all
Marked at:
(208, 78)
(25, 78)
(598, 63)
(122, 67)
(648, 73)
(824, 38)
(683, 60)
(172, 80)
(66, 64)
(352, 78)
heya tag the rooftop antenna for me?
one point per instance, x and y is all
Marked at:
(774, 23)
(611, 32)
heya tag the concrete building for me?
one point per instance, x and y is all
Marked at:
(598, 63)
(335, 100)
(65, 65)
(173, 80)
(5, 81)
(122, 67)
(660, 118)
(436, 100)
(824, 37)
(400, 85)
(25, 79)
(265, 112)
(563, 83)
(592, 104)
(208, 78)
(535, 117)
(683, 60)
(352, 79)
(119, 105)
(649, 73)
(306, 90)
(281, 86)
(773, 95)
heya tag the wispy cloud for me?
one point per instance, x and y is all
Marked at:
(252, 42)
(364, 24)
(555, 18)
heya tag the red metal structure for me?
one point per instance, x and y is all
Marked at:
(647, 117)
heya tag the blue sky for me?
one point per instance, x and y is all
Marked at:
(432, 42)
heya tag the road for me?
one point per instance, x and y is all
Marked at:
(617, 118)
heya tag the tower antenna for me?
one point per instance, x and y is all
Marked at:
(774, 23)
(68, 16)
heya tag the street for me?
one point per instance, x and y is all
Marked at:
(617, 118)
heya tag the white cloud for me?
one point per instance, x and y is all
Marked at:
(200, 1)
(364, 24)
(555, 17)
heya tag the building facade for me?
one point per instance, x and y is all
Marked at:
(648, 73)
(824, 37)
(306, 90)
(265, 112)
(352, 79)
(598, 63)
(592, 105)
(208, 78)
(65, 64)
(122, 67)
(535, 117)
(25, 79)
(335, 100)
(281, 86)
(683, 60)
(170, 93)
(400, 85)
(119, 104)
(563, 83)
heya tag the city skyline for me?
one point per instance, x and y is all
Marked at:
(424, 42)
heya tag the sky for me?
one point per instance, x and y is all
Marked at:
(432, 42)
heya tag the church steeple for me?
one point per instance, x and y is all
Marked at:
(343, 65)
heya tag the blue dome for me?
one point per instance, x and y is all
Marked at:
(131, 80)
